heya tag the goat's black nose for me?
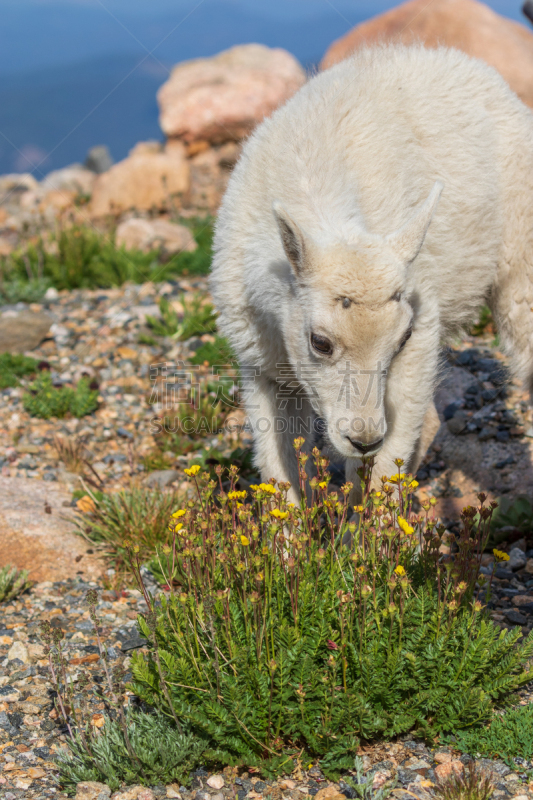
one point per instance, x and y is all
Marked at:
(366, 448)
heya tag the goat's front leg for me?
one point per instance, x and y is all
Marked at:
(276, 421)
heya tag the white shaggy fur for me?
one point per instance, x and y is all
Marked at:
(322, 232)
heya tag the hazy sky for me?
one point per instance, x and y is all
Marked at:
(279, 8)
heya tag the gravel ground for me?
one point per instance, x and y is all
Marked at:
(484, 443)
(31, 735)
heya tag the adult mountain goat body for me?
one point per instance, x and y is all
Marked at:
(366, 221)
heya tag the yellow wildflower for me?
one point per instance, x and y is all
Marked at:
(194, 470)
(399, 570)
(404, 525)
(397, 478)
(279, 514)
(323, 484)
(179, 513)
(244, 541)
(236, 495)
(254, 487)
(359, 509)
(267, 487)
(413, 484)
(499, 555)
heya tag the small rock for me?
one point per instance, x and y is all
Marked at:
(486, 433)
(70, 179)
(160, 478)
(142, 181)
(98, 159)
(449, 768)
(522, 600)
(20, 651)
(517, 559)
(329, 793)
(92, 790)
(8, 694)
(215, 781)
(23, 330)
(223, 98)
(457, 423)
(529, 566)
(514, 616)
(442, 756)
(173, 791)
(134, 793)
(146, 235)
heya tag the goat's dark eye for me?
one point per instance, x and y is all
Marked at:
(406, 337)
(321, 345)
(397, 296)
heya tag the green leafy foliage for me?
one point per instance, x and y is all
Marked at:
(198, 317)
(508, 735)
(45, 400)
(84, 258)
(13, 582)
(217, 353)
(161, 754)
(513, 511)
(14, 366)
(289, 628)
(15, 289)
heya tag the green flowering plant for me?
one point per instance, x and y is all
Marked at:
(287, 627)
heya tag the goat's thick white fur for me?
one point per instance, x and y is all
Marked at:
(394, 190)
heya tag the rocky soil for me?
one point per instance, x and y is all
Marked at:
(32, 735)
(484, 444)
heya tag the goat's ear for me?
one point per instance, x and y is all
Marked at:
(292, 238)
(408, 240)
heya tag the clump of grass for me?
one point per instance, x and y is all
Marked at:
(14, 366)
(156, 460)
(162, 754)
(288, 628)
(126, 746)
(198, 317)
(138, 515)
(45, 400)
(485, 322)
(471, 784)
(217, 353)
(508, 735)
(85, 258)
(13, 582)
(72, 453)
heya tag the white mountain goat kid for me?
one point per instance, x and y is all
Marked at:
(366, 222)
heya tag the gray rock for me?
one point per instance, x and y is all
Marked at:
(98, 159)
(457, 423)
(517, 559)
(22, 330)
(161, 478)
(514, 617)
(486, 433)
